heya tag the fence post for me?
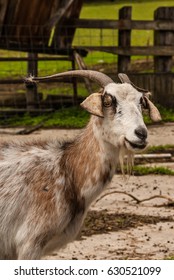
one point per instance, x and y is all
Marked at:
(31, 97)
(124, 39)
(163, 64)
(163, 38)
(32, 100)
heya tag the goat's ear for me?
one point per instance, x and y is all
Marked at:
(93, 104)
(153, 111)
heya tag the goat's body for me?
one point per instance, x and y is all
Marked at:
(46, 189)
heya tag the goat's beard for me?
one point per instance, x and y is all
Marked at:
(126, 158)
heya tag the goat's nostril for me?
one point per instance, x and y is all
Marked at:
(141, 132)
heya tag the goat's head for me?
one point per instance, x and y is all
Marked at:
(120, 107)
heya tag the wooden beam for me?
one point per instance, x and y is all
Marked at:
(150, 50)
(124, 24)
(50, 58)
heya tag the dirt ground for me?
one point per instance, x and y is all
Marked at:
(116, 226)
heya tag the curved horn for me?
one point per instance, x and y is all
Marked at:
(125, 79)
(95, 76)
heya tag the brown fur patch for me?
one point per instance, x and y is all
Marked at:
(80, 159)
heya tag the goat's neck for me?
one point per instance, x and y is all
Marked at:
(91, 161)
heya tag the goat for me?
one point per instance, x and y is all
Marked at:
(46, 187)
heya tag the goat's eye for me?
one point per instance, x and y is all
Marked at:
(143, 103)
(107, 100)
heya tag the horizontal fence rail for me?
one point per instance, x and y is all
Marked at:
(121, 24)
(133, 51)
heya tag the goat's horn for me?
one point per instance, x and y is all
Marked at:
(125, 79)
(95, 76)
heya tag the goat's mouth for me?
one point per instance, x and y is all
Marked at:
(135, 146)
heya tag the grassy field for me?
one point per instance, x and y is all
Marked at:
(73, 117)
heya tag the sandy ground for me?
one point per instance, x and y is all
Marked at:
(116, 226)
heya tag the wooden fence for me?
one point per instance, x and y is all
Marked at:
(160, 81)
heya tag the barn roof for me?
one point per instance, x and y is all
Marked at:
(35, 23)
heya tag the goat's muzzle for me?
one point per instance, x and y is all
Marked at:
(135, 146)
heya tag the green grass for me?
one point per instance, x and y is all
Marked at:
(160, 149)
(144, 170)
(73, 117)
(166, 114)
(14, 70)
(68, 118)
(62, 89)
